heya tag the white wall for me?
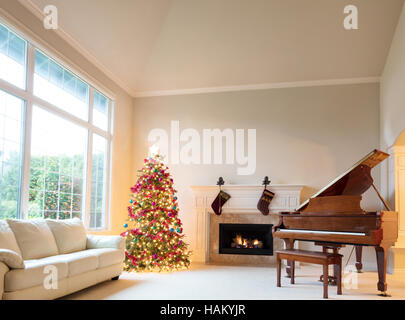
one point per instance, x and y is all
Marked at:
(304, 135)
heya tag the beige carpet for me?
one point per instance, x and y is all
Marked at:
(230, 282)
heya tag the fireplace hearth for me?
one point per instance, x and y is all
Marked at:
(247, 239)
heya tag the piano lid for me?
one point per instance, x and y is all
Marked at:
(354, 181)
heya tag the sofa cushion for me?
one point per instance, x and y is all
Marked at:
(108, 256)
(33, 274)
(7, 238)
(103, 241)
(70, 234)
(12, 259)
(34, 238)
(79, 262)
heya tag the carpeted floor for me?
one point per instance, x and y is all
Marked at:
(230, 282)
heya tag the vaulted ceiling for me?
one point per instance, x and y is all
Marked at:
(154, 45)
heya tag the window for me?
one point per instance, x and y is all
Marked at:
(12, 57)
(58, 157)
(98, 188)
(11, 124)
(61, 88)
(100, 112)
(55, 138)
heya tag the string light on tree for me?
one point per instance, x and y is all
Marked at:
(154, 236)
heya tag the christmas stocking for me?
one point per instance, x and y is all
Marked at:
(219, 201)
(264, 202)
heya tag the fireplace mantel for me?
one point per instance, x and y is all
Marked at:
(244, 199)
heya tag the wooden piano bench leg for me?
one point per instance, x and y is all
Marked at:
(339, 276)
(325, 280)
(278, 271)
(292, 268)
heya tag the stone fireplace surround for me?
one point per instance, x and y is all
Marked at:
(241, 208)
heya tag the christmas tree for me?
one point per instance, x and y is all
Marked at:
(154, 239)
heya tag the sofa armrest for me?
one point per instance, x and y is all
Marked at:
(12, 259)
(3, 270)
(98, 242)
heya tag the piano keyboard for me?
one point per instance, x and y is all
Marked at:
(324, 232)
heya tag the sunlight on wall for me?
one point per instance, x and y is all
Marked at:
(401, 139)
(399, 174)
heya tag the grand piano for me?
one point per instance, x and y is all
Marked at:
(334, 218)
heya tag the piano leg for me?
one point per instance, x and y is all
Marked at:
(359, 252)
(289, 244)
(382, 257)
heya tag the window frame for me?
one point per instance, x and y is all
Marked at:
(27, 95)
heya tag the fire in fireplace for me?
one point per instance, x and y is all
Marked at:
(240, 242)
(253, 239)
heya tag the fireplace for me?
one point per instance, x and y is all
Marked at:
(248, 239)
(240, 209)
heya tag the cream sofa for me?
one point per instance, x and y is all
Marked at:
(48, 259)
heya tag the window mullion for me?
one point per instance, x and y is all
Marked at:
(88, 180)
(30, 69)
(59, 112)
(110, 109)
(108, 186)
(12, 89)
(100, 132)
(107, 199)
(87, 210)
(25, 176)
(63, 114)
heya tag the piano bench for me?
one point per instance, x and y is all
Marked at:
(323, 258)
